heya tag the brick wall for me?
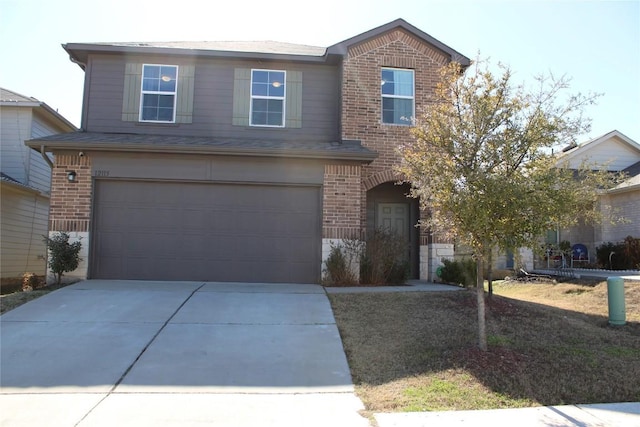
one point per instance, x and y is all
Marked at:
(361, 93)
(362, 103)
(341, 202)
(626, 205)
(70, 204)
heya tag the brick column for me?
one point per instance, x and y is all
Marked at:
(341, 207)
(70, 206)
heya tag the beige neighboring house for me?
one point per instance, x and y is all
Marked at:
(619, 153)
(25, 183)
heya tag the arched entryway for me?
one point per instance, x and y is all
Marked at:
(389, 207)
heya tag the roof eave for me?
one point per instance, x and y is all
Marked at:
(226, 151)
(342, 47)
(22, 188)
(79, 53)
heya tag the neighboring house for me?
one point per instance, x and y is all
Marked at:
(242, 161)
(616, 152)
(25, 181)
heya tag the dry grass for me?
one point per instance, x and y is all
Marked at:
(549, 345)
(15, 299)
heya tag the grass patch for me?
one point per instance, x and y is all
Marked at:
(15, 299)
(417, 351)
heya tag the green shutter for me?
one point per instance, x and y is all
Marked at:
(241, 96)
(131, 94)
(294, 100)
(184, 103)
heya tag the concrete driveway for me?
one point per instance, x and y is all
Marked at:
(105, 353)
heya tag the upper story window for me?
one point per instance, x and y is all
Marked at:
(397, 96)
(268, 98)
(159, 89)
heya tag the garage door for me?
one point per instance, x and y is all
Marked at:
(209, 232)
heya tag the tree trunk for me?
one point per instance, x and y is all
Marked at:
(490, 272)
(482, 329)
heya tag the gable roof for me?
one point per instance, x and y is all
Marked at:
(15, 184)
(9, 98)
(79, 52)
(578, 152)
(342, 47)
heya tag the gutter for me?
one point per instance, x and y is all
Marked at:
(283, 153)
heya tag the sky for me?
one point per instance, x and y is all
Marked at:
(595, 43)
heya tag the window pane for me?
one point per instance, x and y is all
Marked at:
(387, 82)
(274, 119)
(169, 72)
(260, 76)
(397, 111)
(165, 114)
(150, 100)
(259, 89)
(267, 112)
(165, 101)
(152, 71)
(157, 107)
(260, 104)
(150, 84)
(397, 82)
(404, 83)
(169, 86)
(275, 105)
(259, 118)
(276, 91)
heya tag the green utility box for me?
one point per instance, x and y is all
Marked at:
(615, 294)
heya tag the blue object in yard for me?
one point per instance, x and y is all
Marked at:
(615, 294)
(580, 252)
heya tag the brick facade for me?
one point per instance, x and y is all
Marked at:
(70, 206)
(341, 202)
(362, 104)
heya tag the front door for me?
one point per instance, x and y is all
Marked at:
(394, 217)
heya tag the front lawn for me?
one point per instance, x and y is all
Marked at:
(549, 344)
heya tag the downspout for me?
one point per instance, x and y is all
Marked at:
(45, 157)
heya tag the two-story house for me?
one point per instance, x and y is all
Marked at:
(25, 182)
(242, 161)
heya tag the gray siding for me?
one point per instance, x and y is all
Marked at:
(15, 128)
(17, 160)
(213, 100)
(23, 222)
(39, 170)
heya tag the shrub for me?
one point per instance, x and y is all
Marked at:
(462, 272)
(384, 260)
(626, 254)
(339, 266)
(63, 256)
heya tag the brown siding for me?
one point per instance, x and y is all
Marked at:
(213, 100)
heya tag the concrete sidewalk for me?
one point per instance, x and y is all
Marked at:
(125, 353)
(598, 415)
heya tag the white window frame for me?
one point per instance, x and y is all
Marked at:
(159, 92)
(410, 120)
(283, 98)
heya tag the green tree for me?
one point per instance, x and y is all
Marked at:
(482, 162)
(63, 256)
